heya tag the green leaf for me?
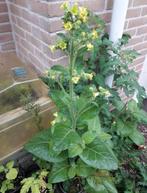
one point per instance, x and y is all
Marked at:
(35, 188)
(41, 147)
(88, 113)
(72, 172)
(59, 172)
(102, 182)
(99, 155)
(74, 150)
(12, 174)
(138, 113)
(59, 68)
(137, 137)
(125, 129)
(10, 164)
(61, 99)
(88, 137)
(2, 168)
(94, 125)
(64, 137)
(83, 169)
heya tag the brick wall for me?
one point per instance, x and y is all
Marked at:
(36, 23)
(6, 38)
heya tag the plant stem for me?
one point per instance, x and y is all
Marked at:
(73, 56)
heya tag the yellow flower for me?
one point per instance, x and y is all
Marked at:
(94, 35)
(68, 26)
(55, 114)
(74, 9)
(104, 92)
(83, 34)
(89, 76)
(95, 94)
(83, 14)
(52, 48)
(75, 79)
(89, 46)
(62, 45)
(53, 122)
(65, 5)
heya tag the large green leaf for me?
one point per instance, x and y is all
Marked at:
(99, 155)
(94, 125)
(83, 169)
(138, 113)
(40, 146)
(88, 113)
(137, 137)
(102, 183)
(64, 137)
(59, 172)
(129, 129)
(61, 99)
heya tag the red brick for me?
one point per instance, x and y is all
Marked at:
(135, 40)
(19, 31)
(139, 2)
(54, 9)
(23, 24)
(3, 8)
(140, 46)
(15, 10)
(93, 5)
(144, 11)
(33, 41)
(137, 22)
(6, 37)
(132, 32)
(142, 30)
(39, 7)
(4, 18)
(31, 17)
(8, 46)
(133, 12)
(5, 28)
(55, 25)
(109, 4)
(27, 45)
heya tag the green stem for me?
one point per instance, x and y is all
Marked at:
(73, 56)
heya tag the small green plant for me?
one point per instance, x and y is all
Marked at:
(84, 144)
(8, 175)
(32, 108)
(36, 183)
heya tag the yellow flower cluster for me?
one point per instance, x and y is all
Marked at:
(90, 47)
(95, 93)
(65, 5)
(52, 48)
(75, 79)
(62, 45)
(94, 35)
(68, 26)
(105, 92)
(75, 9)
(83, 14)
(88, 76)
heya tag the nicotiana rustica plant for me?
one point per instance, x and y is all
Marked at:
(94, 133)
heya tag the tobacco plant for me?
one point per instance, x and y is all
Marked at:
(83, 145)
(8, 175)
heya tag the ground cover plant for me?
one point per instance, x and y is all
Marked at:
(94, 144)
